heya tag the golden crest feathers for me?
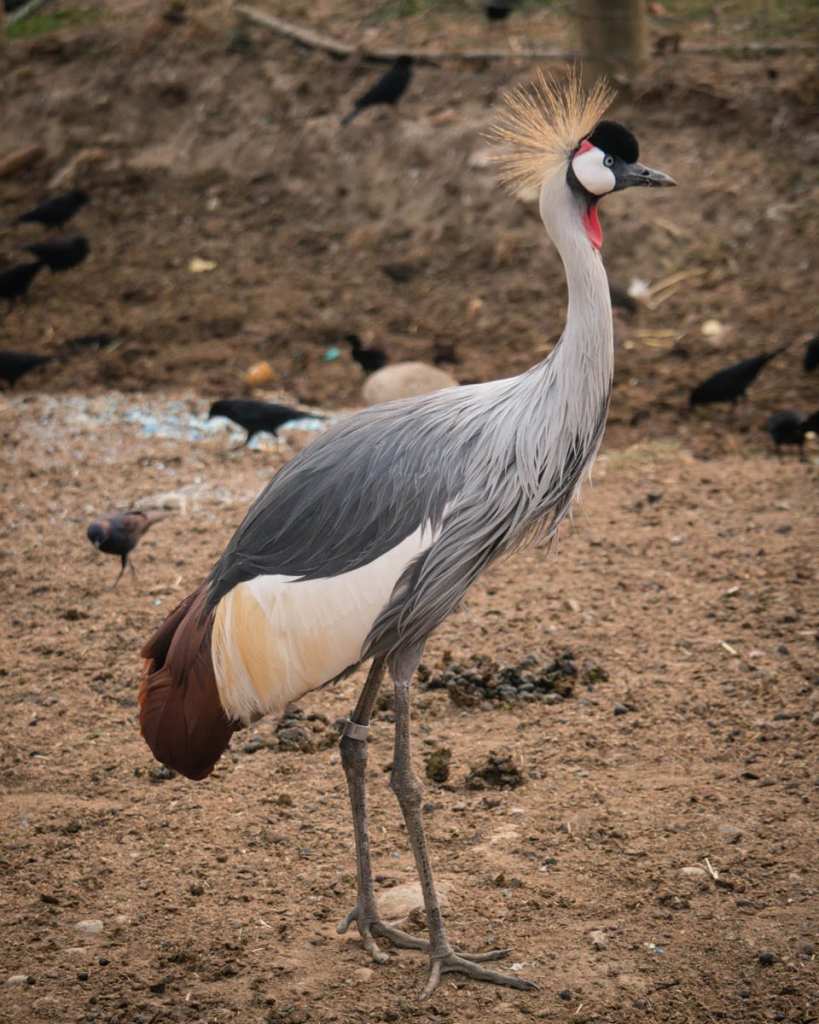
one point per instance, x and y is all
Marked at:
(541, 124)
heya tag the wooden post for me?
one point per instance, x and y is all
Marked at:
(613, 37)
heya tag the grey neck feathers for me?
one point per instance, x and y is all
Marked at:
(584, 356)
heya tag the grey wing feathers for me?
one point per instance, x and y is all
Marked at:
(349, 497)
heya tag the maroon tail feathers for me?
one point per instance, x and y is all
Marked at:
(180, 715)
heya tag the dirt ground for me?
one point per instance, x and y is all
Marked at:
(658, 862)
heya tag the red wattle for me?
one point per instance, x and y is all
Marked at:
(591, 222)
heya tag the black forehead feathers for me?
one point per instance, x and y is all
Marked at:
(616, 140)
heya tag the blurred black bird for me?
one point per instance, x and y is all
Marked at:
(56, 212)
(811, 354)
(388, 89)
(369, 359)
(730, 384)
(257, 417)
(119, 534)
(790, 427)
(620, 297)
(60, 254)
(16, 281)
(499, 10)
(14, 365)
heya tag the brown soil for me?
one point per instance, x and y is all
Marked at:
(688, 573)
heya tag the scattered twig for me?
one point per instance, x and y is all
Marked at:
(712, 871)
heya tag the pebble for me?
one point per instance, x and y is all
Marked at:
(363, 973)
(598, 938)
(93, 926)
(730, 833)
(620, 709)
(766, 958)
(693, 872)
(20, 979)
(399, 901)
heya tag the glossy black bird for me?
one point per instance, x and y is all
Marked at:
(811, 354)
(620, 297)
(16, 281)
(730, 384)
(388, 89)
(56, 212)
(119, 534)
(60, 254)
(369, 359)
(257, 417)
(14, 365)
(499, 10)
(790, 427)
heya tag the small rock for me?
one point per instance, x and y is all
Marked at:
(20, 979)
(766, 958)
(259, 374)
(730, 833)
(160, 773)
(197, 265)
(195, 889)
(598, 938)
(620, 709)
(565, 995)
(46, 897)
(254, 744)
(92, 926)
(401, 900)
(405, 380)
(363, 973)
(694, 872)
(295, 737)
(82, 975)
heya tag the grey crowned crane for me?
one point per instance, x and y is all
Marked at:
(364, 543)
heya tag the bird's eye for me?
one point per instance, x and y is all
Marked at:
(608, 161)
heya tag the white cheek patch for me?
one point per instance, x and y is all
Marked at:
(591, 173)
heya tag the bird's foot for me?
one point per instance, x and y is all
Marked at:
(370, 925)
(463, 963)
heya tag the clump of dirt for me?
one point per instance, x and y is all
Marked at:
(296, 732)
(483, 679)
(498, 771)
(437, 764)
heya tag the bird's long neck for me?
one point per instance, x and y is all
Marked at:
(586, 349)
(580, 368)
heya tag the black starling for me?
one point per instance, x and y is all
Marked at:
(119, 534)
(369, 359)
(388, 89)
(14, 365)
(811, 354)
(60, 254)
(256, 417)
(56, 212)
(730, 384)
(620, 297)
(16, 281)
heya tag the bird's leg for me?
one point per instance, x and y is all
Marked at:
(443, 959)
(122, 570)
(353, 749)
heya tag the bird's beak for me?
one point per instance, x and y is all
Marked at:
(638, 174)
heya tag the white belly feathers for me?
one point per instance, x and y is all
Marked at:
(277, 637)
